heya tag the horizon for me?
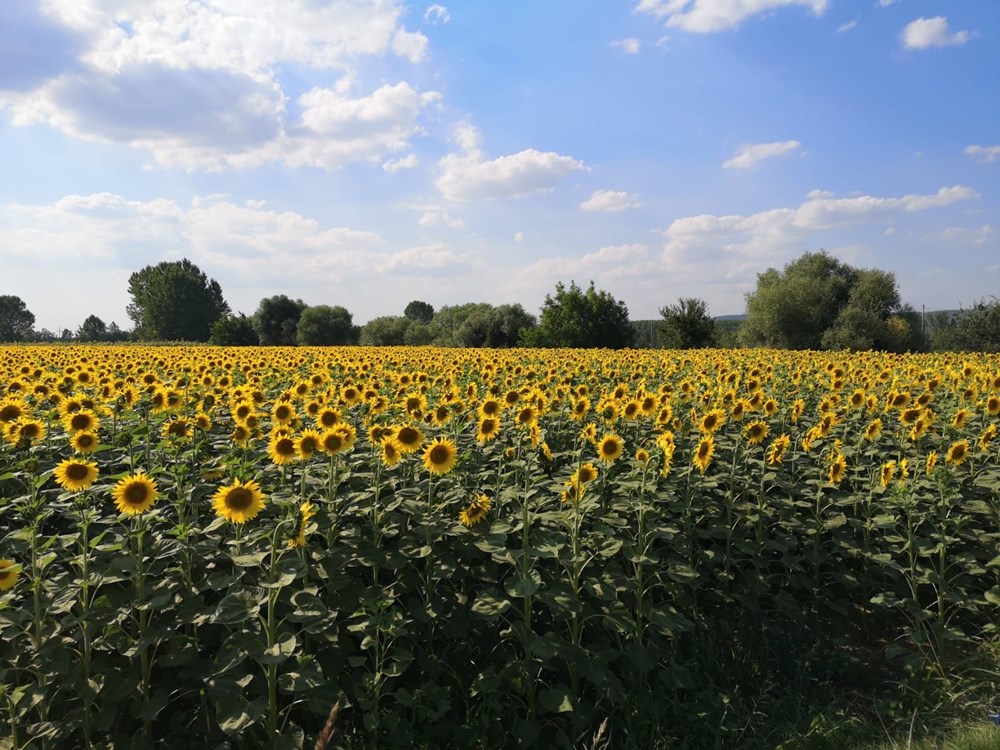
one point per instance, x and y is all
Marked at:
(366, 154)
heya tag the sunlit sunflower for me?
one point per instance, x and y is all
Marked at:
(931, 462)
(838, 469)
(756, 432)
(75, 475)
(81, 421)
(887, 474)
(440, 456)
(610, 447)
(11, 408)
(960, 418)
(26, 430)
(642, 456)
(993, 406)
(873, 430)
(410, 438)
(586, 473)
(526, 417)
(327, 417)
(178, 428)
(306, 511)
(283, 413)
(776, 450)
(476, 511)
(281, 450)
(238, 502)
(488, 429)
(240, 434)
(712, 421)
(392, 451)
(957, 453)
(9, 572)
(307, 443)
(703, 453)
(134, 494)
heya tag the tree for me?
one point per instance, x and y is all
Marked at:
(974, 330)
(577, 318)
(422, 312)
(92, 329)
(234, 330)
(449, 319)
(794, 308)
(687, 325)
(16, 320)
(498, 327)
(174, 301)
(277, 319)
(323, 325)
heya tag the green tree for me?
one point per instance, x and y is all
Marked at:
(577, 318)
(976, 329)
(687, 325)
(234, 330)
(388, 330)
(277, 319)
(92, 329)
(422, 312)
(498, 327)
(323, 325)
(16, 320)
(174, 301)
(449, 319)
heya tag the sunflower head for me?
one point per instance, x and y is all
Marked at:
(75, 475)
(238, 502)
(440, 456)
(134, 494)
(9, 572)
(610, 447)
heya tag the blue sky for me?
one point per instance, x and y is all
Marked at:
(366, 153)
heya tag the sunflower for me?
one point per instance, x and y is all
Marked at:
(178, 428)
(961, 417)
(74, 475)
(986, 437)
(712, 421)
(9, 572)
(392, 451)
(488, 429)
(81, 421)
(957, 453)
(283, 414)
(282, 450)
(610, 447)
(307, 510)
(307, 443)
(838, 469)
(240, 434)
(931, 462)
(527, 417)
(331, 442)
(475, 511)
(776, 451)
(642, 456)
(993, 406)
(490, 408)
(756, 431)
(703, 453)
(873, 430)
(586, 473)
(887, 474)
(440, 456)
(410, 438)
(134, 494)
(238, 502)
(11, 408)
(28, 430)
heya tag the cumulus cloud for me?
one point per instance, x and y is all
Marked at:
(846, 26)
(198, 86)
(518, 236)
(610, 200)
(409, 161)
(440, 218)
(612, 262)
(438, 257)
(630, 46)
(781, 230)
(983, 154)
(707, 16)
(411, 45)
(964, 235)
(751, 154)
(436, 14)
(924, 33)
(469, 176)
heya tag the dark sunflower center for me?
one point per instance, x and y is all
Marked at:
(239, 499)
(407, 435)
(440, 454)
(136, 493)
(9, 413)
(609, 448)
(333, 442)
(285, 447)
(77, 472)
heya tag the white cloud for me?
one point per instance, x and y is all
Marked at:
(610, 200)
(889, 231)
(411, 45)
(613, 262)
(964, 235)
(197, 85)
(435, 218)
(750, 154)
(886, 3)
(742, 240)
(436, 14)
(470, 176)
(931, 32)
(630, 46)
(847, 26)
(706, 16)
(518, 236)
(438, 257)
(409, 161)
(983, 154)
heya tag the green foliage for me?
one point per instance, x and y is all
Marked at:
(449, 319)
(687, 325)
(277, 319)
(323, 325)
(16, 320)
(234, 330)
(976, 329)
(394, 330)
(422, 312)
(577, 318)
(92, 329)
(498, 327)
(174, 301)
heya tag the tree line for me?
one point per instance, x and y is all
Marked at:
(814, 302)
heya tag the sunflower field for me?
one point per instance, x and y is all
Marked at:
(419, 547)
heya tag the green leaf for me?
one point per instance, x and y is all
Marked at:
(235, 607)
(489, 604)
(522, 586)
(556, 700)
